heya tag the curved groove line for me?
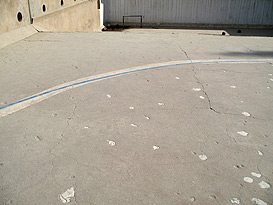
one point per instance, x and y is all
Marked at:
(18, 105)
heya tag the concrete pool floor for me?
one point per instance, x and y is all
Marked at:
(181, 133)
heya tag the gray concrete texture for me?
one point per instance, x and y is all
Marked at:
(170, 145)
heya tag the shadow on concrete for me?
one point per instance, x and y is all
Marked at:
(115, 27)
(241, 32)
(250, 32)
(250, 53)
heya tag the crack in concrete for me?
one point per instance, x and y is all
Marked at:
(204, 91)
(58, 143)
(230, 136)
(257, 167)
(198, 81)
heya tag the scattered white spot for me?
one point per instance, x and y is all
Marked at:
(192, 199)
(65, 197)
(258, 201)
(268, 87)
(246, 114)
(270, 74)
(238, 166)
(212, 196)
(111, 143)
(196, 89)
(271, 79)
(233, 86)
(147, 118)
(256, 174)
(86, 127)
(242, 101)
(161, 104)
(131, 108)
(109, 96)
(133, 125)
(38, 138)
(243, 133)
(203, 157)
(177, 78)
(202, 97)
(248, 179)
(264, 185)
(155, 147)
(224, 71)
(260, 153)
(235, 201)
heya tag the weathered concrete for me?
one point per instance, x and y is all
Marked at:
(52, 15)
(9, 11)
(37, 6)
(61, 142)
(83, 16)
(16, 35)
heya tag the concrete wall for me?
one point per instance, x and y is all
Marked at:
(175, 12)
(53, 15)
(80, 15)
(9, 10)
(36, 6)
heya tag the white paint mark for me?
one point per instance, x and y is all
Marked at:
(109, 96)
(260, 153)
(202, 97)
(38, 138)
(133, 125)
(212, 196)
(147, 118)
(264, 185)
(161, 104)
(258, 201)
(233, 86)
(268, 87)
(196, 89)
(246, 114)
(242, 101)
(192, 199)
(86, 127)
(224, 71)
(203, 157)
(155, 147)
(256, 174)
(131, 108)
(270, 74)
(177, 78)
(65, 197)
(238, 166)
(235, 201)
(243, 133)
(111, 143)
(248, 179)
(271, 79)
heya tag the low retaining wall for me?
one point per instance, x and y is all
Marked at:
(53, 15)
(13, 15)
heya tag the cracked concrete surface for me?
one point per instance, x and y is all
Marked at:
(63, 141)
